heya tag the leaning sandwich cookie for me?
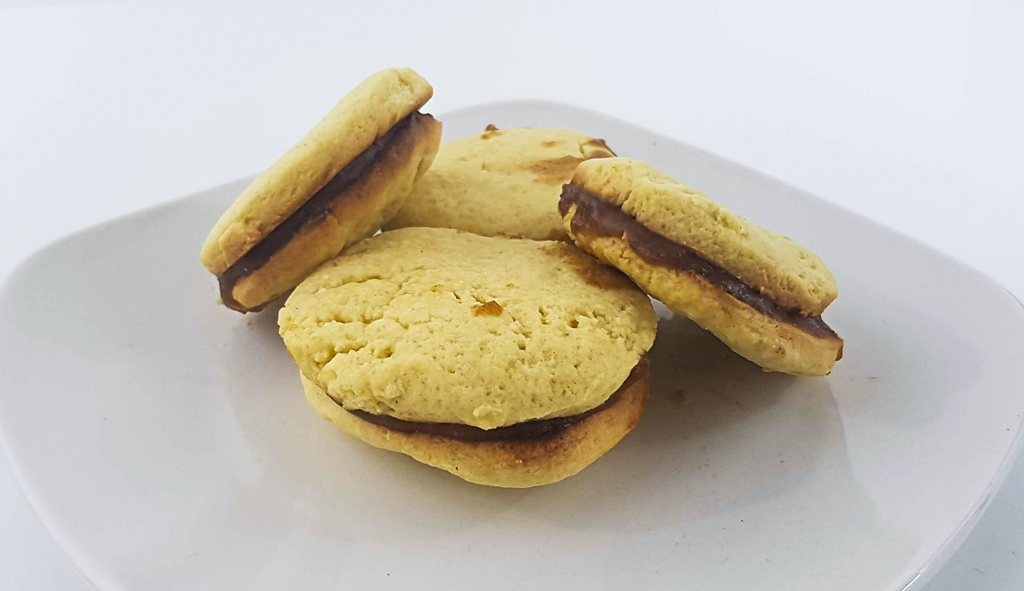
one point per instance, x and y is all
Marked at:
(757, 291)
(502, 182)
(506, 362)
(340, 183)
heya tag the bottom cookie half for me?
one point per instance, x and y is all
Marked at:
(513, 462)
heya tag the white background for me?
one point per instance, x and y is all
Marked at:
(909, 113)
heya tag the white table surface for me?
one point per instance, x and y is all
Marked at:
(909, 114)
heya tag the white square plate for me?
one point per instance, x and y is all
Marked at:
(166, 444)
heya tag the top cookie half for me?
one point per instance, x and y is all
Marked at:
(440, 326)
(791, 275)
(357, 121)
(502, 182)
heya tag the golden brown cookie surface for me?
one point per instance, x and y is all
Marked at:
(502, 182)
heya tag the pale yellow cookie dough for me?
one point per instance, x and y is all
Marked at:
(789, 274)
(359, 118)
(503, 182)
(437, 325)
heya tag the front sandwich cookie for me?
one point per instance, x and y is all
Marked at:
(757, 291)
(342, 182)
(506, 362)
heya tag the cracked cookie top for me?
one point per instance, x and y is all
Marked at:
(502, 182)
(438, 325)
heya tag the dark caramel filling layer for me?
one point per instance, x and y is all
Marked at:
(317, 207)
(526, 431)
(596, 216)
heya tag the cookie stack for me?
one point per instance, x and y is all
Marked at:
(498, 327)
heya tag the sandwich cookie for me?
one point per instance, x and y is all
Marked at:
(345, 179)
(510, 363)
(503, 182)
(759, 292)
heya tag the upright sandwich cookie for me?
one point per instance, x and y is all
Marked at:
(345, 179)
(503, 182)
(759, 292)
(506, 362)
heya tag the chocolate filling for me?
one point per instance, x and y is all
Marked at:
(596, 216)
(317, 207)
(525, 431)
